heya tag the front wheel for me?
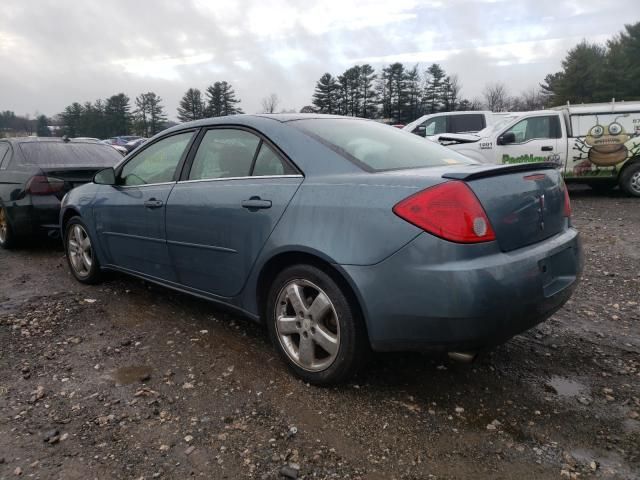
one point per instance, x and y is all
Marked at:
(630, 179)
(315, 328)
(7, 237)
(80, 253)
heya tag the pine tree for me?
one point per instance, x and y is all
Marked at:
(414, 97)
(221, 100)
(149, 115)
(325, 97)
(450, 93)
(117, 115)
(368, 94)
(191, 106)
(394, 95)
(42, 128)
(72, 118)
(433, 92)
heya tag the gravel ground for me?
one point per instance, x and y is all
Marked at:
(129, 380)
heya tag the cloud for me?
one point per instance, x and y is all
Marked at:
(54, 52)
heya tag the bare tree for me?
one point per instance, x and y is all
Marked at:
(531, 99)
(496, 97)
(270, 103)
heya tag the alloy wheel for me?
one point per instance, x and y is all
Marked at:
(307, 325)
(634, 182)
(80, 251)
(4, 226)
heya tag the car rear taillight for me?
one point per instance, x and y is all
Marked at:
(43, 185)
(567, 203)
(449, 210)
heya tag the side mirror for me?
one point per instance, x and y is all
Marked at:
(507, 138)
(420, 130)
(105, 177)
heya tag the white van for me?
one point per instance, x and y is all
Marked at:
(435, 124)
(596, 144)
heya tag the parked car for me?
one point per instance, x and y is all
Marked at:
(35, 173)
(121, 140)
(436, 124)
(133, 144)
(597, 144)
(118, 148)
(341, 234)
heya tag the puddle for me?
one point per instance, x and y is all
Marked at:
(565, 387)
(129, 375)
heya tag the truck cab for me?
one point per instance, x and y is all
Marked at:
(432, 125)
(597, 144)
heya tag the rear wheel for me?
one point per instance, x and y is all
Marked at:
(314, 327)
(7, 237)
(80, 253)
(630, 179)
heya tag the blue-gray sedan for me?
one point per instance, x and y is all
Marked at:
(342, 234)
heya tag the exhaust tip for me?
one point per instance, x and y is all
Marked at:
(462, 357)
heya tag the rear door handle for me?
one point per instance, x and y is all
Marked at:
(547, 149)
(153, 203)
(256, 203)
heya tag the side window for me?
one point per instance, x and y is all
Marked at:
(436, 126)
(535, 128)
(467, 123)
(4, 155)
(224, 153)
(156, 163)
(269, 163)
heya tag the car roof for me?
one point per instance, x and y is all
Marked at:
(15, 140)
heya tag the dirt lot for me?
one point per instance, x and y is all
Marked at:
(129, 380)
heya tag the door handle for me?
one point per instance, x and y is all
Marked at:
(153, 203)
(256, 203)
(547, 149)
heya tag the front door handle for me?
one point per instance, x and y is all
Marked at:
(547, 149)
(256, 203)
(153, 203)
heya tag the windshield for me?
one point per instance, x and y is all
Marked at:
(376, 147)
(503, 122)
(54, 154)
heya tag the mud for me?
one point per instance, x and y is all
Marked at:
(129, 380)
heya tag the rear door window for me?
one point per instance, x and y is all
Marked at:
(466, 123)
(224, 153)
(269, 163)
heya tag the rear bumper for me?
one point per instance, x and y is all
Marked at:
(437, 295)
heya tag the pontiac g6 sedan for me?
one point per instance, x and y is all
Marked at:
(342, 234)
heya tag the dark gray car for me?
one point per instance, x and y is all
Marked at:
(35, 174)
(341, 234)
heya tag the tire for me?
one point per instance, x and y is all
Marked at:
(630, 179)
(326, 325)
(7, 236)
(80, 253)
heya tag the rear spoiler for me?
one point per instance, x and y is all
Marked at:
(496, 170)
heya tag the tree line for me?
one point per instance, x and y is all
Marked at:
(591, 72)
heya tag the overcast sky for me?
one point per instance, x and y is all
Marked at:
(54, 52)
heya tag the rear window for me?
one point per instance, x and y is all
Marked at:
(467, 123)
(69, 154)
(376, 147)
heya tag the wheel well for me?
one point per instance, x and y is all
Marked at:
(68, 214)
(628, 163)
(283, 260)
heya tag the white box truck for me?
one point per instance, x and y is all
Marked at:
(596, 144)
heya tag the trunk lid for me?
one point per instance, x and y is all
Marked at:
(524, 203)
(72, 177)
